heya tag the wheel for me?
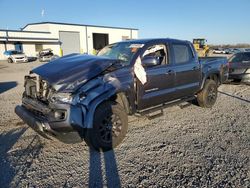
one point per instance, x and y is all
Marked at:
(207, 96)
(110, 126)
(10, 60)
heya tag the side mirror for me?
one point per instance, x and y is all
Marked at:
(149, 61)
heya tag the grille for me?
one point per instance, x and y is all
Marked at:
(37, 88)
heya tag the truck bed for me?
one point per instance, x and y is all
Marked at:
(205, 60)
(211, 64)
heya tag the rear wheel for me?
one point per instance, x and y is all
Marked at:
(110, 126)
(207, 96)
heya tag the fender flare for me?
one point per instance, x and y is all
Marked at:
(98, 91)
(89, 114)
(208, 75)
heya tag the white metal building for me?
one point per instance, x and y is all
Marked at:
(62, 38)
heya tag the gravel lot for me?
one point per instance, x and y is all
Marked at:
(190, 147)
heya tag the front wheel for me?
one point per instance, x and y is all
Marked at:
(207, 96)
(110, 126)
(10, 60)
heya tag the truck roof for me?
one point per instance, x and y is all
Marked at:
(155, 40)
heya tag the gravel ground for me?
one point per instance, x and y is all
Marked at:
(190, 147)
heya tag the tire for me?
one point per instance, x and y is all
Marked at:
(207, 96)
(110, 119)
(10, 60)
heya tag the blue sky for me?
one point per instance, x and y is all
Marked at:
(220, 21)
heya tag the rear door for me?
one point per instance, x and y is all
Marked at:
(159, 87)
(187, 70)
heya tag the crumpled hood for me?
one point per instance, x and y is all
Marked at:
(67, 73)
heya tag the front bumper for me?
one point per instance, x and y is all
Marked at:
(65, 131)
(24, 60)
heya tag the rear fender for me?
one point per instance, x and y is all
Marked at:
(208, 76)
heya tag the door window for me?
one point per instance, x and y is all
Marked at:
(240, 57)
(158, 51)
(236, 58)
(182, 53)
(246, 57)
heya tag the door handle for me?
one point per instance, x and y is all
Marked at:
(169, 72)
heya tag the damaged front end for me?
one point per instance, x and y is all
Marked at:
(64, 116)
(60, 97)
(50, 113)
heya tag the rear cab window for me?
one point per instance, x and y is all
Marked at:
(182, 53)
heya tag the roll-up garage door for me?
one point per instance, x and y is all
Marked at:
(70, 42)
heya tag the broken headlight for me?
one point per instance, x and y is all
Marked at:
(62, 97)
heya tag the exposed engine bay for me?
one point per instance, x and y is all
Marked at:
(37, 88)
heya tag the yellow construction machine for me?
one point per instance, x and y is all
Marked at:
(201, 47)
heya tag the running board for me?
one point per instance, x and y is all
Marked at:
(154, 115)
(182, 106)
(150, 112)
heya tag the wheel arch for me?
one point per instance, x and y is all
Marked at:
(211, 76)
(122, 99)
(89, 113)
(98, 91)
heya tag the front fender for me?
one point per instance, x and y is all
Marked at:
(96, 91)
(89, 116)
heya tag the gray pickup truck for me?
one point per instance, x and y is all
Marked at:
(87, 97)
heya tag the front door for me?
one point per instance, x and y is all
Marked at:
(159, 87)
